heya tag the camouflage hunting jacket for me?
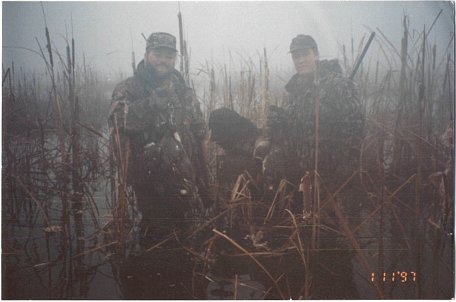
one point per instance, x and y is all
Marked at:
(341, 122)
(146, 109)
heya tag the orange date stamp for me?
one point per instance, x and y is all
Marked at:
(391, 277)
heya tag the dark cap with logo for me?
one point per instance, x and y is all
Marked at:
(160, 39)
(303, 42)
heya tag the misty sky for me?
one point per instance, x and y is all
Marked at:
(107, 31)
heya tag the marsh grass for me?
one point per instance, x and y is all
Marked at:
(56, 151)
(408, 118)
(52, 148)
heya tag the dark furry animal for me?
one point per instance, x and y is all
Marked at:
(230, 130)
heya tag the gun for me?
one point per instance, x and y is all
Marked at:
(360, 59)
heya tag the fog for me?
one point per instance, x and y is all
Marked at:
(69, 219)
(218, 32)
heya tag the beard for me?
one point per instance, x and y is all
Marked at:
(161, 73)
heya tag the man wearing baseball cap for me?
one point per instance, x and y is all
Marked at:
(304, 52)
(318, 86)
(161, 130)
(161, 53)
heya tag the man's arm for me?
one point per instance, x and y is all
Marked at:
(353, 111)
(350, 129)
(134, 113)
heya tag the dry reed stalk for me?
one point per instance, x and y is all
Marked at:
(121, 150)
(236, 280)
(350, 236)
(401, 227)
(212, 89)
(391, 195)
(380, 240)
(112, 175)
(39, 205)
(210, 221)
(339, 189)
(95, 249)
(43, 162)
(419, 173)
(75, 144)
(445, 81)
(306, 188)
(242, 93)
(390, 44)
(270, 288)
(299, 246)
(280, 197)
(172, 236)
(227, 101)
(207, 253)
(240, 194)
(402, 102)
(367, 219)
(316, 185)
(64, 173)
(265, 93)
(263, 254)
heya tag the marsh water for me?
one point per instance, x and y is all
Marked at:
(35, 265)
(372, 249)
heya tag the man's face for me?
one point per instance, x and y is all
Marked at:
(305, 60)
(162, 60)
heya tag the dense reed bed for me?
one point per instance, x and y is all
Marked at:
(67, 208)
(53, 146)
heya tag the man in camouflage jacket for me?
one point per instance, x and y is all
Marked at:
(290, 142)
(158, 118)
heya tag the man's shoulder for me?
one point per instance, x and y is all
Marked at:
(332, 66)
(334, 79)
(299, 84)
(292, 83)
(336, 88)
(129, 86)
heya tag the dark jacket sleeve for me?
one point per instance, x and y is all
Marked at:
(351, 113)
(129, 110)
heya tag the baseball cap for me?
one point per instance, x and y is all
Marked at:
(303, 42)
(161, 39)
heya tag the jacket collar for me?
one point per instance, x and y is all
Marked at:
(147, 75)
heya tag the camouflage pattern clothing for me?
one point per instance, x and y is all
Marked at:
(164, 127)
(291, 130)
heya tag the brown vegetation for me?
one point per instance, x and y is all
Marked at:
(56, 151)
